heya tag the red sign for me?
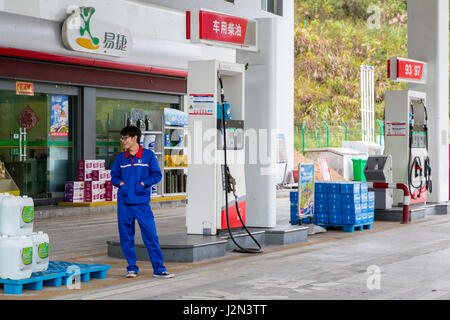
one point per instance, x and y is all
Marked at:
(24, 88)
(221, 27)
(407, 70)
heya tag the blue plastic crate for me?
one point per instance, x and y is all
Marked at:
(322, 218)
(364, 207)
(321, 187)
(348, 218)
(371, 216)
(334, 207)
(364, 187)
(334, 197)
(350, 188)
(371, 205)
(371, 196)
(364, 196)
(321, 197)
(351, 208)
(335, 218)
(351, 198)
(333, 187)
(293, 196)
(320, 208)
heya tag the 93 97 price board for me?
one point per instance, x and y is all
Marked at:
(407, 70)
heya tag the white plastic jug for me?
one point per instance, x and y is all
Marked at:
(40, 251)
(10, 207)
(26, 216)
(16, 257)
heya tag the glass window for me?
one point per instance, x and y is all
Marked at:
(36, 141)
(273, 6)
(112, 115)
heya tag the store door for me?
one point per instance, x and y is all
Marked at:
(36, 141)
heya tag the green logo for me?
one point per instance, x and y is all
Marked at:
(28, 214)
(27, 255)
(43, 250)
(92, 43)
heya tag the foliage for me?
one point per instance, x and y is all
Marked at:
(333, 39)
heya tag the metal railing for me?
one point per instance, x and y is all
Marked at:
(320, 134)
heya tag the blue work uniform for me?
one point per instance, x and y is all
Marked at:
(133, 202)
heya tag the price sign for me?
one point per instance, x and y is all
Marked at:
(407, 70)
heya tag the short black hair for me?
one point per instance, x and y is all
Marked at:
(132, 131)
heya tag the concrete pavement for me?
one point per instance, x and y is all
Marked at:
(391, 261)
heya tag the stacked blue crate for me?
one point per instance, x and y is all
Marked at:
(371, 206)
(321, 202)
(294, 208)
(351, 203)
(364, 203)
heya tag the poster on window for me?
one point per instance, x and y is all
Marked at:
(59, 116)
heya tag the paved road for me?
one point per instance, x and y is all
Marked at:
(391, 261)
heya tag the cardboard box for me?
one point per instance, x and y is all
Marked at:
(85, 164)
(84, 174)
(92, 196)
(92, 185)
(74, 196)
(74, 185)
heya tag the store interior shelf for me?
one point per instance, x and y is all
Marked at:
(174, 168)
(175, 148)
(174, 194)
(175, 127)
(151, 132)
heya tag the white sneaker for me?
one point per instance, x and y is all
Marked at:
(131, 274)
(164, 274)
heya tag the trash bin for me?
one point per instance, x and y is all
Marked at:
(358, 169)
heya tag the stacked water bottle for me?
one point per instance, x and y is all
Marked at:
(343, 203)
(22, 251)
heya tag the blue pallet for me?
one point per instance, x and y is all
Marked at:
(348, 228)
(57, 274)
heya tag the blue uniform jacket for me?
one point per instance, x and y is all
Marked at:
(143, 167)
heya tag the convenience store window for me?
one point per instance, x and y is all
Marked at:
(36, 138)
(112, 114)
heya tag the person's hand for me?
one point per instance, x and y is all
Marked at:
(142, 183)
(121, 183)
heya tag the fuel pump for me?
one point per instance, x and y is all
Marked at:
(406, 140)
(216, 188)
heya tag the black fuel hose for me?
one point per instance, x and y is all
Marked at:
(227, 185)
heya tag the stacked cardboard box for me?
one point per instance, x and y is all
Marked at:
(93, 185)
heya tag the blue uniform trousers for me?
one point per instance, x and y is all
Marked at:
(127, 213)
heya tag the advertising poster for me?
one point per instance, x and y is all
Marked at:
(59, 116)
(306, 189)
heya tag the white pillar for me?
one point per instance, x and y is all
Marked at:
(428, 41)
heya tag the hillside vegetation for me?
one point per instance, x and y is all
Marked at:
(333, 38)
